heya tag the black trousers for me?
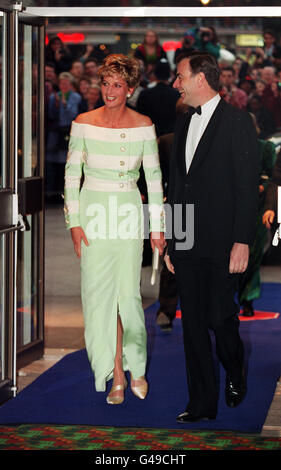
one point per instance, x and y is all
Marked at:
(168, 293)
(207, 290)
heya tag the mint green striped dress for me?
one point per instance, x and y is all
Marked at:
(109, 209)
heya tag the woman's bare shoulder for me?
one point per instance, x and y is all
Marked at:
(90, 117)
(139, 120)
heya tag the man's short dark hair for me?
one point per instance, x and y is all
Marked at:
(204, 62)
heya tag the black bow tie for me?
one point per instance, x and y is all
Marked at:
(197, 110)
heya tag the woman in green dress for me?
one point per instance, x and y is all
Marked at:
(106, 148)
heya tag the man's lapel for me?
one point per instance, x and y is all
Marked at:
(205, 142)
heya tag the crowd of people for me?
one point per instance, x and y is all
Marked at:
(251, 82)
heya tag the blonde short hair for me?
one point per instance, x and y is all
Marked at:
(127, 67)
(66, 75)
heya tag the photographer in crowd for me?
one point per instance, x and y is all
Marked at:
(206, 40)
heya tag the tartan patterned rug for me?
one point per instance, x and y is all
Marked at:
(68, 437)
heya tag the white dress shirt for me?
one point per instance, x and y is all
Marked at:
(197, 126)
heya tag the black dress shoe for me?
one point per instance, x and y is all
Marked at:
(235, 393)
(189, 417)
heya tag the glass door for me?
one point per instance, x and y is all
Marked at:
(30, 247)
(8, 212)
(21, 193)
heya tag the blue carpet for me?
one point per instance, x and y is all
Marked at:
(65, 393)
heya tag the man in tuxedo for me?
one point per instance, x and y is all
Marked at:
(214, 171)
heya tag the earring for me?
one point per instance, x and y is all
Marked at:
(128, 95)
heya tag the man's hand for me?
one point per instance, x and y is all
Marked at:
(239, 258)
(77, 235)
(268, 218)
(169, 265)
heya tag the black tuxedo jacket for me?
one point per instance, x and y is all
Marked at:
(221, 184)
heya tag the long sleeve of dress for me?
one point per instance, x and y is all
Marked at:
(153, 177)
(73, 174)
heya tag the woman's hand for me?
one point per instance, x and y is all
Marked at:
(157, 240)
(77, 235)
(267, 218)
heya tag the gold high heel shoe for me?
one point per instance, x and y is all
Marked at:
(139, 390)
(118, 399)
